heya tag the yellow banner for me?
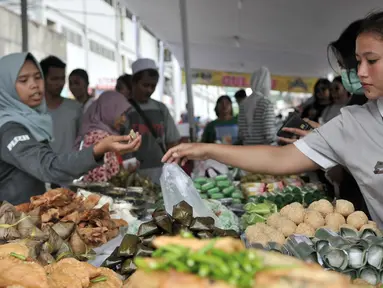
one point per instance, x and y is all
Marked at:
(242, 80)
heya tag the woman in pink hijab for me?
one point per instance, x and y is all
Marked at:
(103, 118)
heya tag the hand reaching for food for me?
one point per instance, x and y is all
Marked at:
(185, 152)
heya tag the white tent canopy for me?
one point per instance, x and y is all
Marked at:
(288, 36)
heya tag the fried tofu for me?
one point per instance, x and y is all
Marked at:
(16, 272)
(80, 273)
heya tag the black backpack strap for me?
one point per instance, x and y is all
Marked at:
(149, 124)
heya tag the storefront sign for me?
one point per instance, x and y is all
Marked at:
(106, 84)
(218, 78)
(243, 80)
(293, 84)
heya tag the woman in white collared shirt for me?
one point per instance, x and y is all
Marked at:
(353, 139)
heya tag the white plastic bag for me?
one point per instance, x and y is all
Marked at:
(210, 168)
(177, 186)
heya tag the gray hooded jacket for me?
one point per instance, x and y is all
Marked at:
(256, 119)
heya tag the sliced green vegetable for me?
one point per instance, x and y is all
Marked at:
(18, 256)
(237, 268)
(208, 247)
(186, 234)
(99, 279)
(203, 270)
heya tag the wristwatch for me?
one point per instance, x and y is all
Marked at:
(378, 168)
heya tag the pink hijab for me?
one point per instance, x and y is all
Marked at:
(102, 114)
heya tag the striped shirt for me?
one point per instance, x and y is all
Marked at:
(263, 127)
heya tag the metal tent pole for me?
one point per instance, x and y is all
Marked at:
(188, 76)
(86, 38)
(161, 82)
(136, 31)
(118, 56)
(24, 25)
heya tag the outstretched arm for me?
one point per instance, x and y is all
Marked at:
(19, 148)
(257, 159)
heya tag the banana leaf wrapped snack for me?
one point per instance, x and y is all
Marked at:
(8, 222)
(64, 229)
(181, 222)
(59, 224)
(121, 260)
(134, 186)
(129, 246)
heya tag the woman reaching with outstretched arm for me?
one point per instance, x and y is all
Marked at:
(353, 139)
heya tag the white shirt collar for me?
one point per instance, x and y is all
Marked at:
(380, 106)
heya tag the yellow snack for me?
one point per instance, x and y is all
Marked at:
(132, 134)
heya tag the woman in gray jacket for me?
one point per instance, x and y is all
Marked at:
(26, 158)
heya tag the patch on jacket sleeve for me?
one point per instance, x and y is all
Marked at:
(16, 140)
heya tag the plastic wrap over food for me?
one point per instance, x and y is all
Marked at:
(274, 186)
(122, 210)
(292, 182)
(103, 200)
(132, 228)
(177, 187)
(119, 210)
(227, 219)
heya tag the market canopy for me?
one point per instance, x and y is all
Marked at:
(288, 36)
